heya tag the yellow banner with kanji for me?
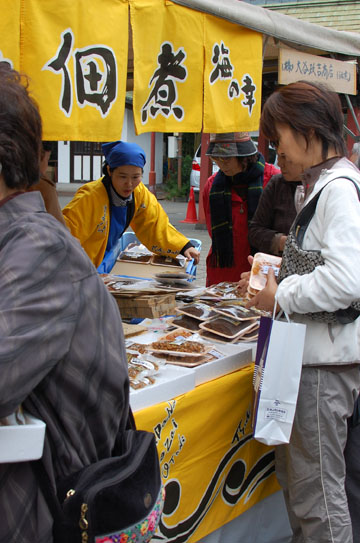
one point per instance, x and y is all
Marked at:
(232, 79)
(212, 468)
(10, 32)
(168, 66)
(75, 53)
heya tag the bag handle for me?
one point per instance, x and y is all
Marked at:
(306, 214)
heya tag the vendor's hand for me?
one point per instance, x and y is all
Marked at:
(191, 252)
(244, 279)
(265, 299)
(243, 283)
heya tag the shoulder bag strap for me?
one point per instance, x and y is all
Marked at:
(306, 214)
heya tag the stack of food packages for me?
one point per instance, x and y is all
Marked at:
(178, 347)
(259, 270)
(220, 316)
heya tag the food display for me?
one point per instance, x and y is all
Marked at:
(206, 325)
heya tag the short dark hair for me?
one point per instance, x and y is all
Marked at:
(304, 107)
(20, 131)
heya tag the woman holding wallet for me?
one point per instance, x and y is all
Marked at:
(305, 122)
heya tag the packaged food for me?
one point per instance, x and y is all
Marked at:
(237, 312)
(178, 262)
(226, 327)
(259, 270)
(177, 335)
(214, 337)
(198, 311)
(189, 323)
(180, 348)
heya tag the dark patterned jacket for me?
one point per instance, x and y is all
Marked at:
(61, 356)
(274, 215)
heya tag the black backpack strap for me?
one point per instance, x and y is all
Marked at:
(306, 214)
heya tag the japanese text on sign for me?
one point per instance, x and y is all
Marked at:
(223, 69)
(295, 66)
(95, 75)
(163, 95)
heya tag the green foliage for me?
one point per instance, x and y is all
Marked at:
(172, 189)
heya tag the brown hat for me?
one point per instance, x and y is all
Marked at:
(231, 144)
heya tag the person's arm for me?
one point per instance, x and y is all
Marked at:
(262, 236)
(152, 227)
(87, 216)
(335, 285)
(37, 311)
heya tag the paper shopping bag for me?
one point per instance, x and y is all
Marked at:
(277, 372)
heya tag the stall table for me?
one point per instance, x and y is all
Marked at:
(220, 483)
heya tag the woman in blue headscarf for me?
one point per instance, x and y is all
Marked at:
(102, 210)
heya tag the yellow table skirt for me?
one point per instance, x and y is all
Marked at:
(212, 468)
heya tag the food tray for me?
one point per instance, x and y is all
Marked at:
(207, 348)
(141, 259)
(173, 275)
(237, 312)
(158, 260)
(172, 281)
(199, 311)
(225, 327)
(184, 321)
(189, 362)
(259, 269)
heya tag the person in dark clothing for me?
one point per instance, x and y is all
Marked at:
(230, 199)
(276, 210)
(62, 349)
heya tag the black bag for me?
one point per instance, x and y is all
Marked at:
(355, 417)
(296, 260)
(119, 495)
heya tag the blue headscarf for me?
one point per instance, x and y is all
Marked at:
(122, 153)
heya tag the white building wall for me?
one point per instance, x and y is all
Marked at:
(64, 162)
(144, 140)
(127, 134)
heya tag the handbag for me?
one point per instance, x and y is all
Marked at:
(296, 260)
(277, 373)
(114, 499)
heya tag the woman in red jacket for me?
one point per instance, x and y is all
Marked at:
(230, 199)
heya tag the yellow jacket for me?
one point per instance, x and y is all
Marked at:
(88, 218)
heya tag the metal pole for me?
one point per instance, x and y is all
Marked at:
(179, 160)
(152, 172)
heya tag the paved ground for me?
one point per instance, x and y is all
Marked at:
(176, 212)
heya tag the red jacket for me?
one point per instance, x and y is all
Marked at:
(269, 171)
(241, 247)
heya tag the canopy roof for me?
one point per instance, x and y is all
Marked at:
(293, 32)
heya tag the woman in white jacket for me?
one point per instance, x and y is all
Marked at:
(305, 122)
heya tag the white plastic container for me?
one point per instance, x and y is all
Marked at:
(22, 442)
